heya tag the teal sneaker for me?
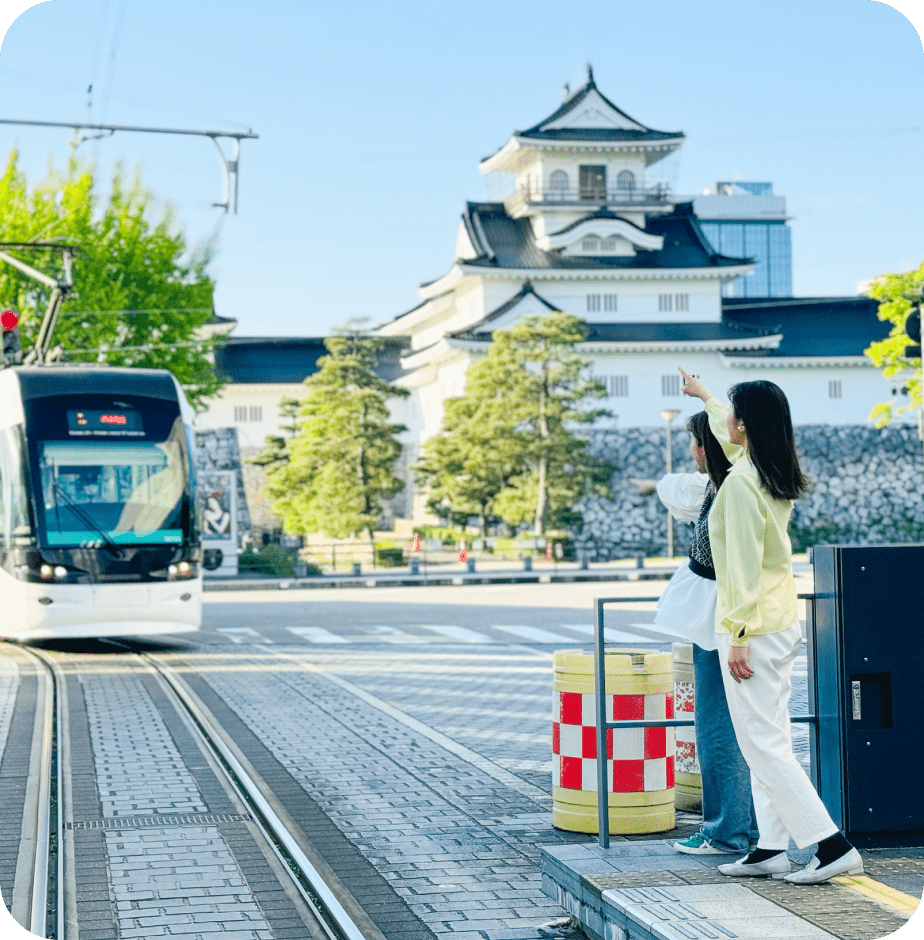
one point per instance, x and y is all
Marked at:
(698, 844)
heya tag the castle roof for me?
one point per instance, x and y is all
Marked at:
(586, 117)
(812, 327)
(505, 242)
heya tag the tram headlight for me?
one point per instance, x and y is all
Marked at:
(60, 572)
(47, 572)
(172, 570)
(184, 568)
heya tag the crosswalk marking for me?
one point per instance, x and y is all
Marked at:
(460, 634)
(535, 634)
(317, 635)
(243, 635)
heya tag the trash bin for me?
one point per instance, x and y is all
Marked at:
(639, 684)
(688, 784)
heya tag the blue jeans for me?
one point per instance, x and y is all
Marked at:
(728, 810)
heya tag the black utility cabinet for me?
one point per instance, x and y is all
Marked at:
(868, 620)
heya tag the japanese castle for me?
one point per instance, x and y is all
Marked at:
(584, 231)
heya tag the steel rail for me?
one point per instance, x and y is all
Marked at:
(319, 893)
(39, 896)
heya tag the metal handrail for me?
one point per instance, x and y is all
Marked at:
(603, 820)
(546, 195)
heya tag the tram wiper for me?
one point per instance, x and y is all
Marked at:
(86, 518)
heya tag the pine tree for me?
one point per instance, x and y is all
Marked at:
(512, 445)
(276, 452)
(339, 468)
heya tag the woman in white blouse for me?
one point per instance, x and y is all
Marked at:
(758, 628)
(687, 607)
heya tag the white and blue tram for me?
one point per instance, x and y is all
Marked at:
(98, 524)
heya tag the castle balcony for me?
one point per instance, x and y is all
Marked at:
(587, 197)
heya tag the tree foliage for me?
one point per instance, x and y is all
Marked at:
(508, 446)
(139, 299)
(334, 474)
(889, 354)
(275, 454)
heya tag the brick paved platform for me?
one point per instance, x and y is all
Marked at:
(645, 890)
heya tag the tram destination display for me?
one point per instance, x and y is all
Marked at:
(125, 422)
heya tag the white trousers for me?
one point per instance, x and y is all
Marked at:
(785, 801)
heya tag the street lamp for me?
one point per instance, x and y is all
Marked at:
(668, 414)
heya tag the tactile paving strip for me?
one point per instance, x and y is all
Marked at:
(836, 909)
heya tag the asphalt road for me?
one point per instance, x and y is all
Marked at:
(531, 614)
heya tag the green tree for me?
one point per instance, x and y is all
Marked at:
(275, 454)
(339, 467)
(524, 402)
(140, 297)
(889, 353)
(469, 462)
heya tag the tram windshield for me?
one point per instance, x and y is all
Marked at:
(117, 489)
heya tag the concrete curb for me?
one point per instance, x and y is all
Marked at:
(434, 580)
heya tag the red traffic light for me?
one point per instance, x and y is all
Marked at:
(9, 320)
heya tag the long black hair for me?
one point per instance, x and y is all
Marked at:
(717, 465)
(763, 409)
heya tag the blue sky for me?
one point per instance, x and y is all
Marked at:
(372, 119)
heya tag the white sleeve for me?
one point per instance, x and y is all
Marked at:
(683, 494)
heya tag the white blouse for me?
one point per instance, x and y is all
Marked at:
(687, 606)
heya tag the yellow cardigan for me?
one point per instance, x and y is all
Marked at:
(750, 547)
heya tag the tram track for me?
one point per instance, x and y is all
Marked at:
(49, 858)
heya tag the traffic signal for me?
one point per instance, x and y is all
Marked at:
(12, 351)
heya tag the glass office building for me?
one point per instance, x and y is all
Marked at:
(745, 220)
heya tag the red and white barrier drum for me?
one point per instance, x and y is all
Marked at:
(688, 784)
(640, 761)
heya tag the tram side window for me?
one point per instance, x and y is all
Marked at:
(14, 517)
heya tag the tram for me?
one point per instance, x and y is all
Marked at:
(98, 524)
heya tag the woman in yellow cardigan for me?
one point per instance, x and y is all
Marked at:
(758, 628)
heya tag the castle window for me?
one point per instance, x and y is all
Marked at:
(681, 301)
(626, 180)
(593, 302)
(617, 386)
(593, 182)
(590, 243)
(609, 302)
(608, 244)
(244, 413)
(834, 388)
(558, 181)
(670, 386)
(665, 302)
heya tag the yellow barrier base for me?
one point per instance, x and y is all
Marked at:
(688, 792)
(629, 813)
(624, 820)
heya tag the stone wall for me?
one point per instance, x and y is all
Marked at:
(867, 486)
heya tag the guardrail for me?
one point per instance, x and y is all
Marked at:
(603, 822)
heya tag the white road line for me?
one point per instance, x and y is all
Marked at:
(459, 634)
(243, 635)
(316, 635)
(534, 633)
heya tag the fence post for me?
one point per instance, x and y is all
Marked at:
(603, 806)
